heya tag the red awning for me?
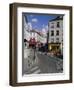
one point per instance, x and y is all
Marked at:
(32, 41)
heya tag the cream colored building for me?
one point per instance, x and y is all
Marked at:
(55, 27)
(26, 29)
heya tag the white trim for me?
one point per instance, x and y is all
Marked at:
(43, 77)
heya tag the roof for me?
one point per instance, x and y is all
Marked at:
(25, 18)
(57, 18)
(36, 32)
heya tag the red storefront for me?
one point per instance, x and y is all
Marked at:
(32, 42)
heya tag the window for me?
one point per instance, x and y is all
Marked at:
(52, 40)
(57, 39)
(52, 25)
(57, 32)
(58, 24)
(52, 33)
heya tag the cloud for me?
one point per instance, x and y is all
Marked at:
(34, 20)
(29, 25)
(44, 28)
(31, 15)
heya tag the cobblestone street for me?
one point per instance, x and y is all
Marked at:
(36, 62)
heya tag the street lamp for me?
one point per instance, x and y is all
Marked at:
(47, 39)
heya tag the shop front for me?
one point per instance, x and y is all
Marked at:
(32, 42)
(54, 47)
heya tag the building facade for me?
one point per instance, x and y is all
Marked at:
(41, 38)
(55, 40)
(37, 37)
(26, 29)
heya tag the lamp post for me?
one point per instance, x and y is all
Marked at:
(47, 39)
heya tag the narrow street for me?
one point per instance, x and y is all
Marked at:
(48, 64)
(37, 63)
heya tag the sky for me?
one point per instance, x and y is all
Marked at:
(39, 21)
